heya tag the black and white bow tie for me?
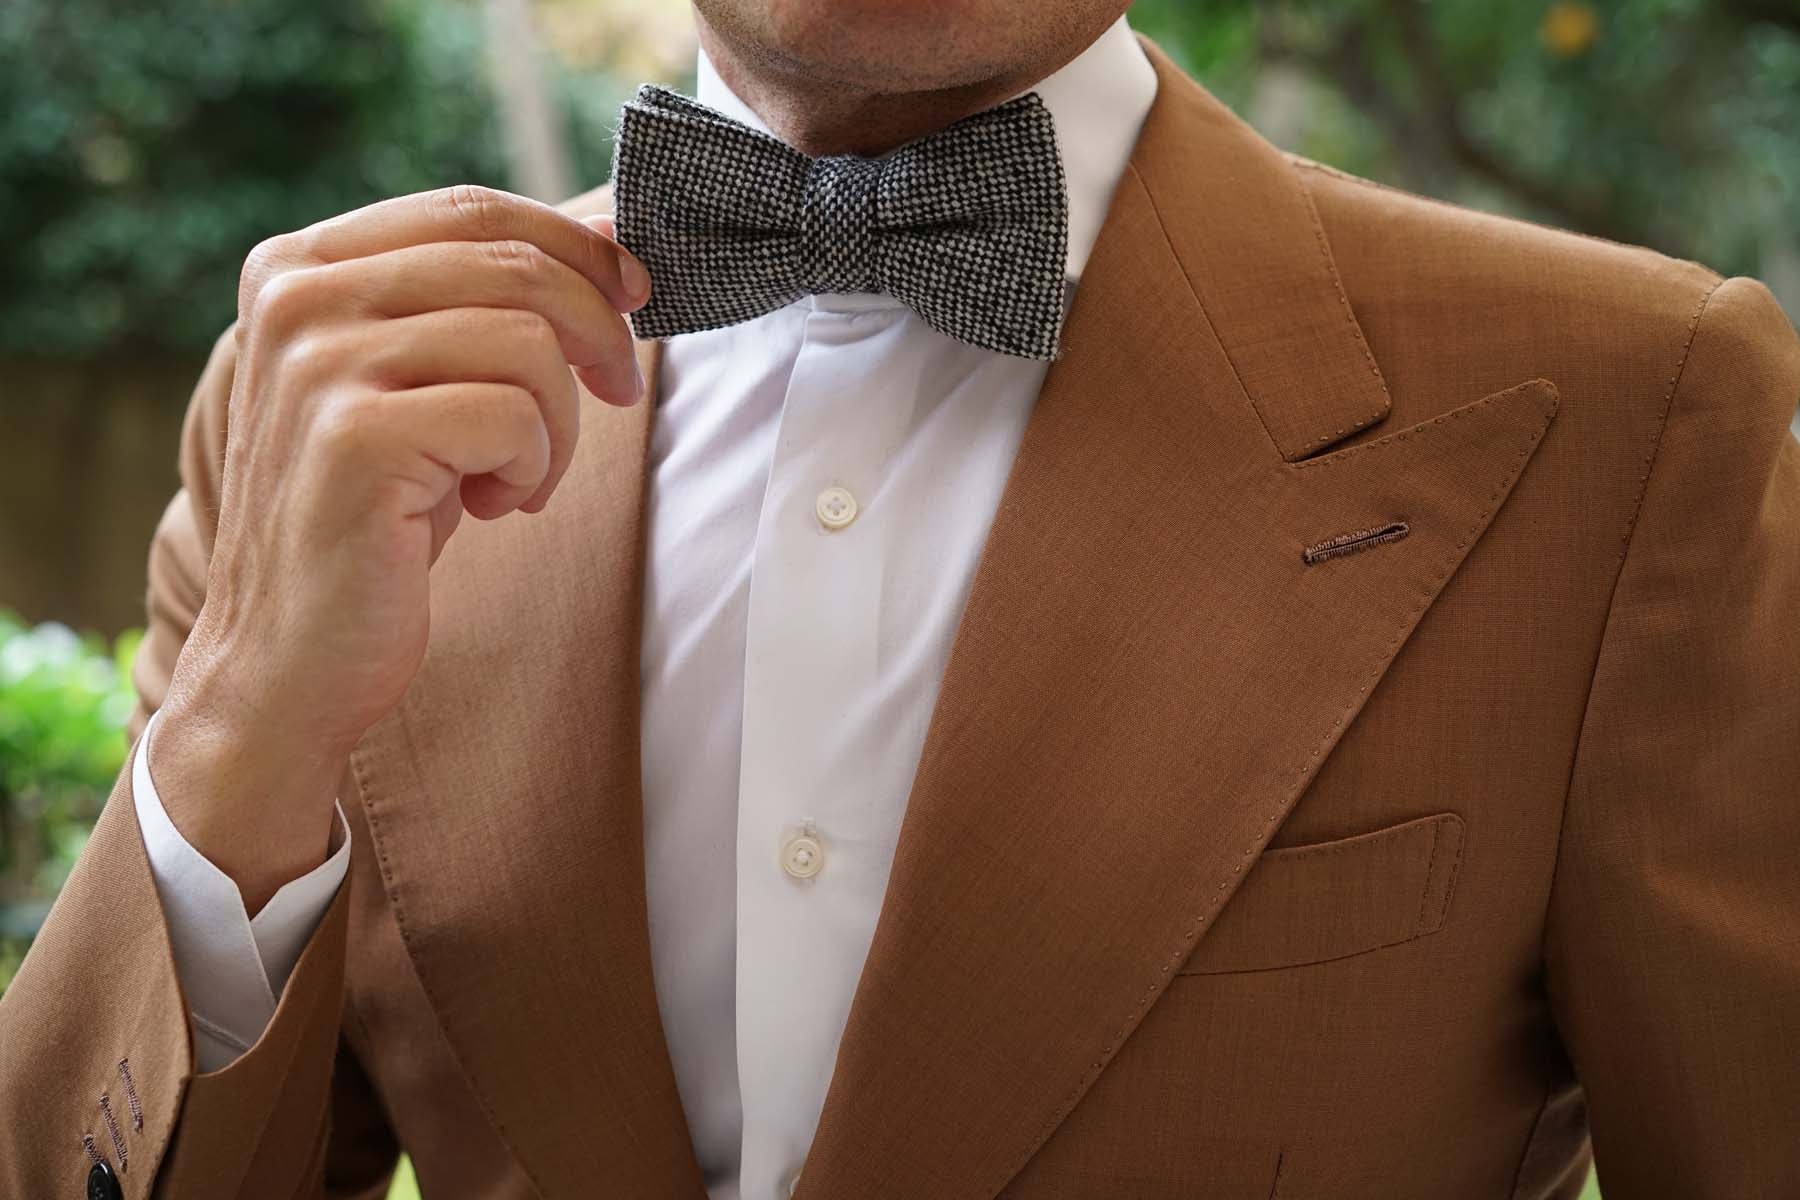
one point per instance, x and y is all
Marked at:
(968, 227)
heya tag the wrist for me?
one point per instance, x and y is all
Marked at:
(257, 802)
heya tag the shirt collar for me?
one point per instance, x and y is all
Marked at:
(1098, 101)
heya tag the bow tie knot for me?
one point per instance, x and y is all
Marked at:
(837, 225)
(968, 227)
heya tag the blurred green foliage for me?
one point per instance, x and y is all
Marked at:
(1671, 123)
(64, 703)
(146, 145)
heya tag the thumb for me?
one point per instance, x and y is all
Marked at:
(631, 272)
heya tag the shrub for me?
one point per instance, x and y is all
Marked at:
(145, 147)
(64, 703)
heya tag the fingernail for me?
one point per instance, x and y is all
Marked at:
(635, 278)
(639, 369)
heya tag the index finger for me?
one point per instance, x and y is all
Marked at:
(470, 213)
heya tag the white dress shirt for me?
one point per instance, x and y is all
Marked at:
(822, 483)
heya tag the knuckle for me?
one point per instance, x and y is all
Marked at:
(285, 300)
(263, 263)
(345, 429)
(530, 327)
(301, 354)
(310, 243)
(481, 210)
(311, 356)
(267, 255)
(517, 256)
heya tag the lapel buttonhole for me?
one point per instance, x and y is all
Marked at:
(1350, 543)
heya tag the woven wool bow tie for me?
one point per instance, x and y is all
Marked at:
(968, 227)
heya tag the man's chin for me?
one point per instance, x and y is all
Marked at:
(892, 46)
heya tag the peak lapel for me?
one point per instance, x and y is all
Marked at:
(503, 796)
(1148, 671)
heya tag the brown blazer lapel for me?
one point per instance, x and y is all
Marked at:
(504, 800)
(1148, 672)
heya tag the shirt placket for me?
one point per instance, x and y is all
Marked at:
(809, 866)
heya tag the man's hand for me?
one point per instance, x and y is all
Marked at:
(398, 365)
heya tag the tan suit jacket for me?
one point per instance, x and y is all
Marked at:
(1234, 866)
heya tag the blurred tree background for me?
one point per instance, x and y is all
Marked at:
(146, 145)
(1667, 123)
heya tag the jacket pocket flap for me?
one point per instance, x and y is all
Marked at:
(1314, 903)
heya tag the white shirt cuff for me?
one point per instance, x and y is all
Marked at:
(231, 968)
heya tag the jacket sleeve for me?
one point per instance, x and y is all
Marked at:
(96, 1048)
(231, 969)
(1672, 950)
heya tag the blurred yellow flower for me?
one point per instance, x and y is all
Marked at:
(1569, 30)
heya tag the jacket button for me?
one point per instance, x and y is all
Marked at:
(103, 1184)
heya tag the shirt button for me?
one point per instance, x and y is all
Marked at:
(836, 507)
(803, 856)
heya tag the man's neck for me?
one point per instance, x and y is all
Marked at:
(820, 117)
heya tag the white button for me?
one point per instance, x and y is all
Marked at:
(836, 508)
(803, 855)
(793, 1182)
